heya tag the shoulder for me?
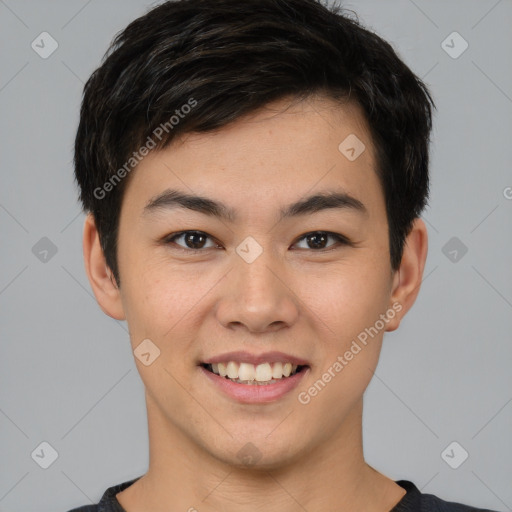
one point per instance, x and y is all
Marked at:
(435, 504)
(108, 502)
(415, 501)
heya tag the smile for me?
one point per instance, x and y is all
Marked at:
(250, 374)
(264, 380)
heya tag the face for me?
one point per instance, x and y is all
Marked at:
(253, 280)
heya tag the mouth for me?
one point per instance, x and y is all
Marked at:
(263, 374)
(254, 379)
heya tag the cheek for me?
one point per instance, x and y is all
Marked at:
(166, 302)
(152, 306)
(350, 308)
(351, 299)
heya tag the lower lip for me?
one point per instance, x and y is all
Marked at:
(254, 393)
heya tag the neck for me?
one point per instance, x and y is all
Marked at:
(331, 476)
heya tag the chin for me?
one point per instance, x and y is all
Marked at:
(258, 453)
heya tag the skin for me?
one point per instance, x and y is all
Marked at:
(296, 298)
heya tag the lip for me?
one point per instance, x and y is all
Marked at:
(256, 359)
(254, 393)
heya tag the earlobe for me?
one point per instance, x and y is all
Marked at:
(407, 279)
(100, 276)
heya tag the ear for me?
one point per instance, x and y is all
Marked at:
(407, 279)
(100, 276)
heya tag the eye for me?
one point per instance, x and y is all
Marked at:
(194, 240)
(318, 239)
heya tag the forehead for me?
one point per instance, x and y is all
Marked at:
(284, 151)
(288, 126)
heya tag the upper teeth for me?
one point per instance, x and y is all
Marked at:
(247, 371)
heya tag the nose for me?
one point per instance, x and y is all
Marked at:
(258, 296)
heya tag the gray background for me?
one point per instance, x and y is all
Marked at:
(67, 372)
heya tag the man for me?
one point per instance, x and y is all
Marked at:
(254, 174)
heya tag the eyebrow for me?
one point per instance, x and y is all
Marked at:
(171, 199)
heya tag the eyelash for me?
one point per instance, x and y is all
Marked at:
(342, 240)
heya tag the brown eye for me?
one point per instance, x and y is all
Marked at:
(317, 240)
(192, 240)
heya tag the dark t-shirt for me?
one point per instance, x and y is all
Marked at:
(413, 501)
